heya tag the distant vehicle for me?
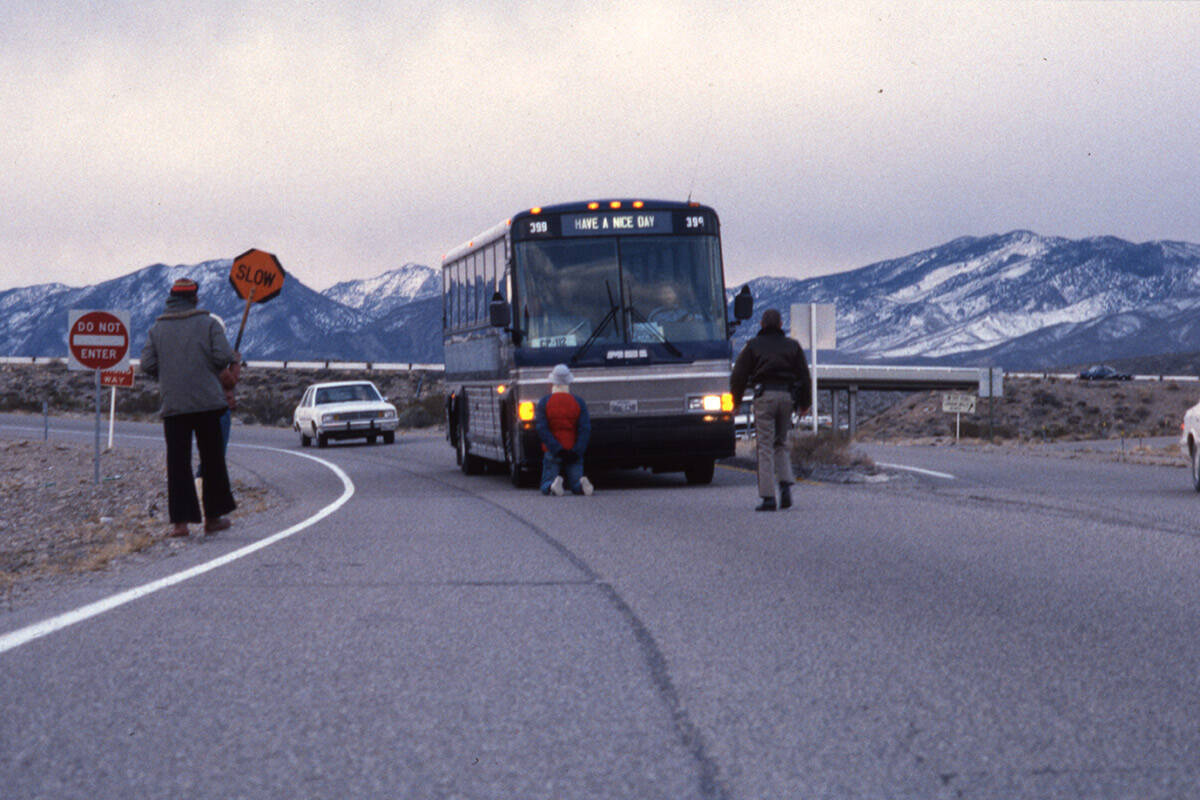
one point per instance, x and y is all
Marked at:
(1103, 372)
(1189, 442)
(344, 410)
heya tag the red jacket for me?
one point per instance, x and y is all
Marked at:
(562, 423)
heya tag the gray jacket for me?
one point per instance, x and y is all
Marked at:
(185, 350)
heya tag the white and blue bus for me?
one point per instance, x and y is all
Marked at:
(631, 295)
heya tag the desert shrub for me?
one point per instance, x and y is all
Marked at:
(826, 449)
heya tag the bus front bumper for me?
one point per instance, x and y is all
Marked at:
(661, 443)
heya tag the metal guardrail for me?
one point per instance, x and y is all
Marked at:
(363, 366)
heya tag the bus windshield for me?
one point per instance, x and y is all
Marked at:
(641, 289)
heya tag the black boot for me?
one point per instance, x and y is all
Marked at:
(767, 504)
(785, 495)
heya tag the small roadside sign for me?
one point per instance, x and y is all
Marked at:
(122, 378)
(955, 403)
(97, 340)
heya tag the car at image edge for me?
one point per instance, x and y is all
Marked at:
(1189, 442)
(344, 410)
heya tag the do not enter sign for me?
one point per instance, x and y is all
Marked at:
(98, 340)
(256, 276)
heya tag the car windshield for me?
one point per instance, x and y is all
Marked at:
(358, 392)
(664, 288)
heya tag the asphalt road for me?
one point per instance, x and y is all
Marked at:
(1025, 629)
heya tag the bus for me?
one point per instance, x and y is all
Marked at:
(630, 294)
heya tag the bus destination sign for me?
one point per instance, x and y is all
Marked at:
(617, 223)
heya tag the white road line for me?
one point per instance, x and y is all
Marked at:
(930, 472)
(19, 637)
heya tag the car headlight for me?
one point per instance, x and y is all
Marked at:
(328, 418)
(389, 413)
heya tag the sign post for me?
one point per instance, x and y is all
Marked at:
(256, 277)
(115, 378)
(97, 340)
(820, 332)
(958, 404)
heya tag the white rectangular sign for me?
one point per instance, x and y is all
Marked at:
(826, 325)
(953, 403)
(991, 382)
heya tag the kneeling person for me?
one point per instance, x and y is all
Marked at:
(564, 426)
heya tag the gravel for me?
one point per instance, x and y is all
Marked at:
(57, 523)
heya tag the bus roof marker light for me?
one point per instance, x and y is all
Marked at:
(615, 204)
(535, 210)
(592, 206)
(638, 204)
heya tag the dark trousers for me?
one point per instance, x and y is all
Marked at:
(178, 431)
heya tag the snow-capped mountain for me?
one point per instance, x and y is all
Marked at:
(298, 324)
(1017, 300)
(379, 296)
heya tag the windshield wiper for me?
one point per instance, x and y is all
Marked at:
(611, 316)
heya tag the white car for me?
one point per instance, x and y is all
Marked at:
(1189, 442)
(344, 410)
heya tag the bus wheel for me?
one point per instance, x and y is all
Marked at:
(470, 465)
(521, 478)
(700, 472)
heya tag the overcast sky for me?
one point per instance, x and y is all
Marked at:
(352, 137)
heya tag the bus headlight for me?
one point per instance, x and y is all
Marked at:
(712, 402)
(525, 411)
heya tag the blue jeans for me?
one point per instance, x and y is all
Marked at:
(552, 467)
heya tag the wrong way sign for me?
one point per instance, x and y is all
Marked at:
(97, 340)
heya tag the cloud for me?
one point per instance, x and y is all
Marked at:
(351, 138)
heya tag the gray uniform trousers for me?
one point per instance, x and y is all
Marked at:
(772, 421)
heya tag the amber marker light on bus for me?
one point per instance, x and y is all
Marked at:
(592, 206)
(638, 204)
(615, 204)
(525, 411)
(501, 389)
(727, 402)
(535, 210)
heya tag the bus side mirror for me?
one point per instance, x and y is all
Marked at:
(743, 305)
(498, 312)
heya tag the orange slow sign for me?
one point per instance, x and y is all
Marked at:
(256, 276)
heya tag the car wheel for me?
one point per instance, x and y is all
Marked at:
(372, 439)
(1196, 468)
(322, 440)
(389, 437)
(305, 440)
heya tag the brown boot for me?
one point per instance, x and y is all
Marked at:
(217, 524)
(179, 530)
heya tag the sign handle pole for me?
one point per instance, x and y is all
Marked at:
(96, 459)
(112, 415)
(957, 425)
(249, 299)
